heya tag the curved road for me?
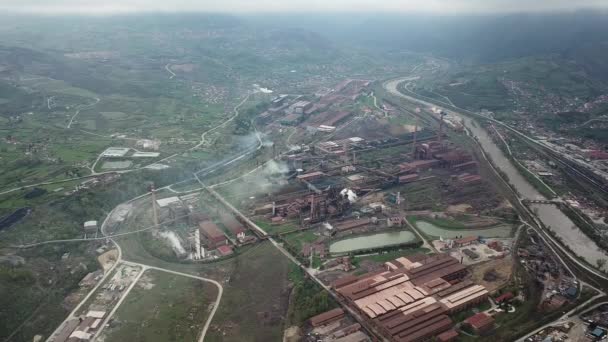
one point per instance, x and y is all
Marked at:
(119, 260)
(94, 174)
(97, 99)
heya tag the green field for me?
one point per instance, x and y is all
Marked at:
(392, 255)
(163, 307)
(255, 298)
(298, 239)
(439, 222)
(276, 228)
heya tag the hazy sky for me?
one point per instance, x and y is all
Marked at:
(240, 6)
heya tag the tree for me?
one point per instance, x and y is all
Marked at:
(601, 263)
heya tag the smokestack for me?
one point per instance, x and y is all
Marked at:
(312, 206)
(153, 190)
(398, 197)
(441, 115)
(274, 208)
(415, 132)
(346, 152)
(197, 237)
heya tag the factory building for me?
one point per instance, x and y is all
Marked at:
(327, 317)
(408, 178)
(213, 236)
(481, 323)
(410, 301)
(233, 225)
(300, 106)
(171, 208)
(308, 177)
(418, 165)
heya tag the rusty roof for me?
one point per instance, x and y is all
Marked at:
(480, 320)
(210, 230)
(447, 335)
(232, 223)
(327, 316)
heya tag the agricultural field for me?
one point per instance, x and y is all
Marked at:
(298, 239)
(391, 255)
(276, 228)
(163, 307)
(255, 298)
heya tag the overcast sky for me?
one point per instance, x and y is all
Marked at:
(248, 6)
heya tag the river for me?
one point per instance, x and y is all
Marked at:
(550, 215)
(372, 241)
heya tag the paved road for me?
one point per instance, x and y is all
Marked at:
(566, 317)
(94, 174)
(144, 267)
(119, 260)
(72, 314)
(81, 108)
(391, 87)
(169, 71)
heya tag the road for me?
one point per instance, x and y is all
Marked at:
(72, 314)
(550, 241)
(576, 239)
(119, 260)
(309, 271)
(144, 267)
(566, 317)
(170, 71)
(81, 108)
(94, 174)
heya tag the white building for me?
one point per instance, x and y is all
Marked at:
(90, 227)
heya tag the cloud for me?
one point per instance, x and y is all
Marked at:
(268, 6)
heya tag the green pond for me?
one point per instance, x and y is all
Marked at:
(372, 241)
(500, 231)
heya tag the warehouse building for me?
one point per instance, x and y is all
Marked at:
(233, 225)
(327, 317)
(213, 236)
(412, 299)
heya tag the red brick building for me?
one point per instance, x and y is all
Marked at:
(481, 323)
